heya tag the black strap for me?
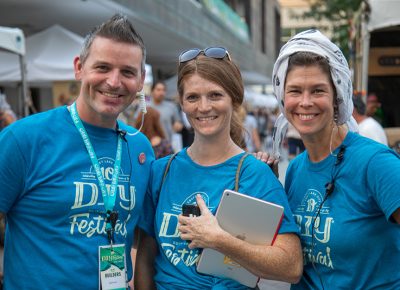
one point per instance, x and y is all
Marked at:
(167, 168)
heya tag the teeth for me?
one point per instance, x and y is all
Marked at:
(306, 117)
(110, 95)
(206, 118)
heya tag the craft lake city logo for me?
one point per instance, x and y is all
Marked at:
(305, 214)
(88, 216)
(176, 249)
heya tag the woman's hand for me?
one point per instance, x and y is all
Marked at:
(268, 159)
(156, 140)
(203, 231)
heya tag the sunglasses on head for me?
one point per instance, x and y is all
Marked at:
(213, 52)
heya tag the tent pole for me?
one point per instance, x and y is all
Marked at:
(24, 95)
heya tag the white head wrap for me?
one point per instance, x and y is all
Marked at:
(313, 41)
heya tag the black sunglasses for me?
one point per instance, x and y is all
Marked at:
(213, 52)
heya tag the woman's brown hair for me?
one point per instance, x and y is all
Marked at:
(224, 73)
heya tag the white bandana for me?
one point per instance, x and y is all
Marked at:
(313, 41)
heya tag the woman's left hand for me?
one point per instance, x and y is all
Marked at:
(203, 231)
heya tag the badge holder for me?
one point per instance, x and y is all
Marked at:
(112, 267)
(112, 260)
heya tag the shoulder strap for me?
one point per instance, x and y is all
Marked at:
(238, 170)
(239, 167)
(167, 168)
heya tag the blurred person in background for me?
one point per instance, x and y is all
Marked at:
(251, 137)
(374, 108)
(295, 144)
(367, 126)
(7, 115)
(169, 114)
(154, 131)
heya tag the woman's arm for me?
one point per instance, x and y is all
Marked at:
(396, 215)
(283, 261)
(144, 268)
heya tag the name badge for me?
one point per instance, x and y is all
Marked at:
(112, 267)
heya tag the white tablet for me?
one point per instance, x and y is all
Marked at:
(253, 220)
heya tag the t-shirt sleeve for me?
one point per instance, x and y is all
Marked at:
(12, 170)
(148, 212)
(383, 175)
(258, 180)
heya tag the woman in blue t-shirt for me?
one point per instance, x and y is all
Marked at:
(211, 92)
(343, 190)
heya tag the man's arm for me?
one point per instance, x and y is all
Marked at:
(2, 232)
(133, 254)
(396, 215)
(2, 228)
(144, 268)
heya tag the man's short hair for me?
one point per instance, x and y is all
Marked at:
(117, 28)
(159, 82)
(359, 105)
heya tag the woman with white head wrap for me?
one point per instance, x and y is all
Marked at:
(315, 42)
(344, 188)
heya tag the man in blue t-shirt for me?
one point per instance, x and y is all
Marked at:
(73, 179)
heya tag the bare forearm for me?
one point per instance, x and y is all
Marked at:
(396, 215)
(282, 262)
(2, 228)
(144, 268)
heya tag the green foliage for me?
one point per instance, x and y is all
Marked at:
(339, 14)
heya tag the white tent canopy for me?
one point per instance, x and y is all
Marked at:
(384, 13)
(49, 56)
(12, 39)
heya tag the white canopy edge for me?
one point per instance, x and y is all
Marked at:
(384, 13)
(12, 39)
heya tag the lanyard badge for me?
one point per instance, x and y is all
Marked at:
(108, 196)
(112, 267)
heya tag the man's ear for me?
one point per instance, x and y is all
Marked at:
(77, 68)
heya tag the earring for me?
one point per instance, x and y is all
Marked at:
(335, 115)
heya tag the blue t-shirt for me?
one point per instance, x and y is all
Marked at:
(356, 245)
(54, 207)
(175, 263)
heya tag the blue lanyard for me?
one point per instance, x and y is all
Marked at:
(108, 196)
